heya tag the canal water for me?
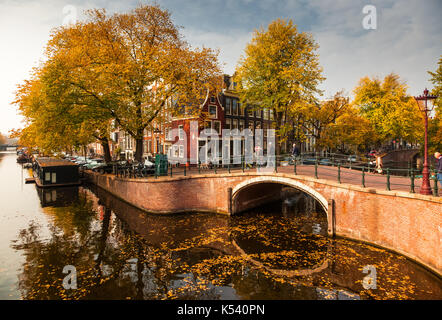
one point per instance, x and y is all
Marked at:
(115, 251)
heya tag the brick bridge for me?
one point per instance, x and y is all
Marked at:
(408, 223)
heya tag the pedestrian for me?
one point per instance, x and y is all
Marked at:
(295, 151)
(438, 157)
(379, 164)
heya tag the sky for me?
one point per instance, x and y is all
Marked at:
(406, 38)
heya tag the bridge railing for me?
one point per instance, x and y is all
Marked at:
(336, 167)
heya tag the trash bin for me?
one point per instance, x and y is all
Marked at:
(161, 165)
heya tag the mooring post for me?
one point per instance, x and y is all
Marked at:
(229, 199)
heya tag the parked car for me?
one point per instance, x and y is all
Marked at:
(92, 163)
(325, 162)
(309, 161)
(352, 159)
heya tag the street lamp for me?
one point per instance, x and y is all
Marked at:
(157, 133)
(426, 108)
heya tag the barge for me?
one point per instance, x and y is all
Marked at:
(50, 172)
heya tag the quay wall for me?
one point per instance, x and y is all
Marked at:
(409, 224)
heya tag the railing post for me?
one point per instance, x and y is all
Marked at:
(316, 168)
(388, 179)
(294, 166)
(199, 167)
(339, 173)
(185, 170)
(435, 190)
(276, 164)
(214, 167)
(363, 177)
(171, 170)
(412, 181)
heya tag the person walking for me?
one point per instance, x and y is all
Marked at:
(295, 151)
(438, 157)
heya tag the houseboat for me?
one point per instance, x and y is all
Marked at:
(50, 172)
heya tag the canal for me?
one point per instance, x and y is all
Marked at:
(279, 251)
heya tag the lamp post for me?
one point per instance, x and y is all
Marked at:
(157, 133)
(426, 108)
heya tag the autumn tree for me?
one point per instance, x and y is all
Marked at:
(280, 71)
(349, 133)
(133, 64)
(51, 125)
(123, 69)
(391, 111)
(318, 117)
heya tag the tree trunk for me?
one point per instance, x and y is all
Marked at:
(106, 149)
(139, 149)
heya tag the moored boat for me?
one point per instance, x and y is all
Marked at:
(50, 172)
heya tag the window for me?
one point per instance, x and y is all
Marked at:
(235, 107)
(212, 99)
(228, 105)
(217, 127)
(234, 124)
(227, 126)
(271, 114)
(181, 151)
(266, 114)
(213, 112)
(250, 112)
(181, 132)
(241, 125)
(47, 176)
(240, 110)
(149, 146)
(258, 114)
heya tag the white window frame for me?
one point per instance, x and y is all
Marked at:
(181, 132)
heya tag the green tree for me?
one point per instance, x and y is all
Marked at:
(280, 71)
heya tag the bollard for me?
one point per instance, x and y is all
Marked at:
(339, 173)
(171, 170)
(412, 181)
(388, 179)
(184, 170)
(363, 177)
(316, 168)
(294, 167)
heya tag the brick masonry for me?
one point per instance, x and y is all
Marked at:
(410, 224)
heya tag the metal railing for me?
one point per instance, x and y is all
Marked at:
(336, 167)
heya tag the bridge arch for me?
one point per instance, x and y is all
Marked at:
(281, 181)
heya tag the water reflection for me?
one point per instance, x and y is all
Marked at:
(120, 252)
